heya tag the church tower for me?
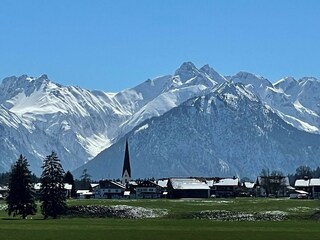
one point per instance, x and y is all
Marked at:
(126, 171)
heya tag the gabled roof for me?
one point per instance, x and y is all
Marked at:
(301, 183)
(227, 182)
(314, 182)
(188, 184)
(93, 185)
(119, 184)
(307, 182)
(108, 183)
(301, 192)
(248, 184)
(147, 184)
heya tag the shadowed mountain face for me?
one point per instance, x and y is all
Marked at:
(226, 132)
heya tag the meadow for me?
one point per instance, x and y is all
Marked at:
(180, 221)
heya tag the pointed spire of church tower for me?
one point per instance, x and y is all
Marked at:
(126, 171)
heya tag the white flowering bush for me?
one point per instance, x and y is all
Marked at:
(222, 215)
(116, 211)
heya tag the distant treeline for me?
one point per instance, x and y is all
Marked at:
(4, 178)
(304, 172)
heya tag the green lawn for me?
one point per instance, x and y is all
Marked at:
(175, 225)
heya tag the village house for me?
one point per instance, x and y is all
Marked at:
(248, 189)
(302, 184)
(272, 186)
(87, 193)
(148, 189)
(109, 189)
(311, 186)
(163, 183)
(225, 187)
(187, 188)
(315, 187)
(115, 189)
(300, 194)
(84, 194)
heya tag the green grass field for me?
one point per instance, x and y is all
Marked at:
(177, 224)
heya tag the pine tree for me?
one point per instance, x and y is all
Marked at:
(68, 178)
(85, 180)
(53, 195)
(21, 195)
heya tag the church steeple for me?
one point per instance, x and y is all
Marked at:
(126, 171)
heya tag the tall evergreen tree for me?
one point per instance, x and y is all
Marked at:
(85, 180)
(68, 178)
(21, 195)
(53, 195)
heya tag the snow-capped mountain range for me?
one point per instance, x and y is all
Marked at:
(193, 122)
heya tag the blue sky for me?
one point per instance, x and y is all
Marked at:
(112, 45)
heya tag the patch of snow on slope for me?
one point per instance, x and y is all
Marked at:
(303, 109)
(298, 123)
(141, 128)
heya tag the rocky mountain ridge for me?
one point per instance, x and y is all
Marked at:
(38, 115)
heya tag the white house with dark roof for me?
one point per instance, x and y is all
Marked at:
(148, 189)
(110, 189)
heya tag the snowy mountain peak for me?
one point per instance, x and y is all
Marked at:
(250, 78)
(206, 69)
(189, 75)
(311, 79)
(286, 83)
(232, 93)
(255, 83)
(309, 82)
(187, 71)
(44, 77)
(186, 66)
(21, 80)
